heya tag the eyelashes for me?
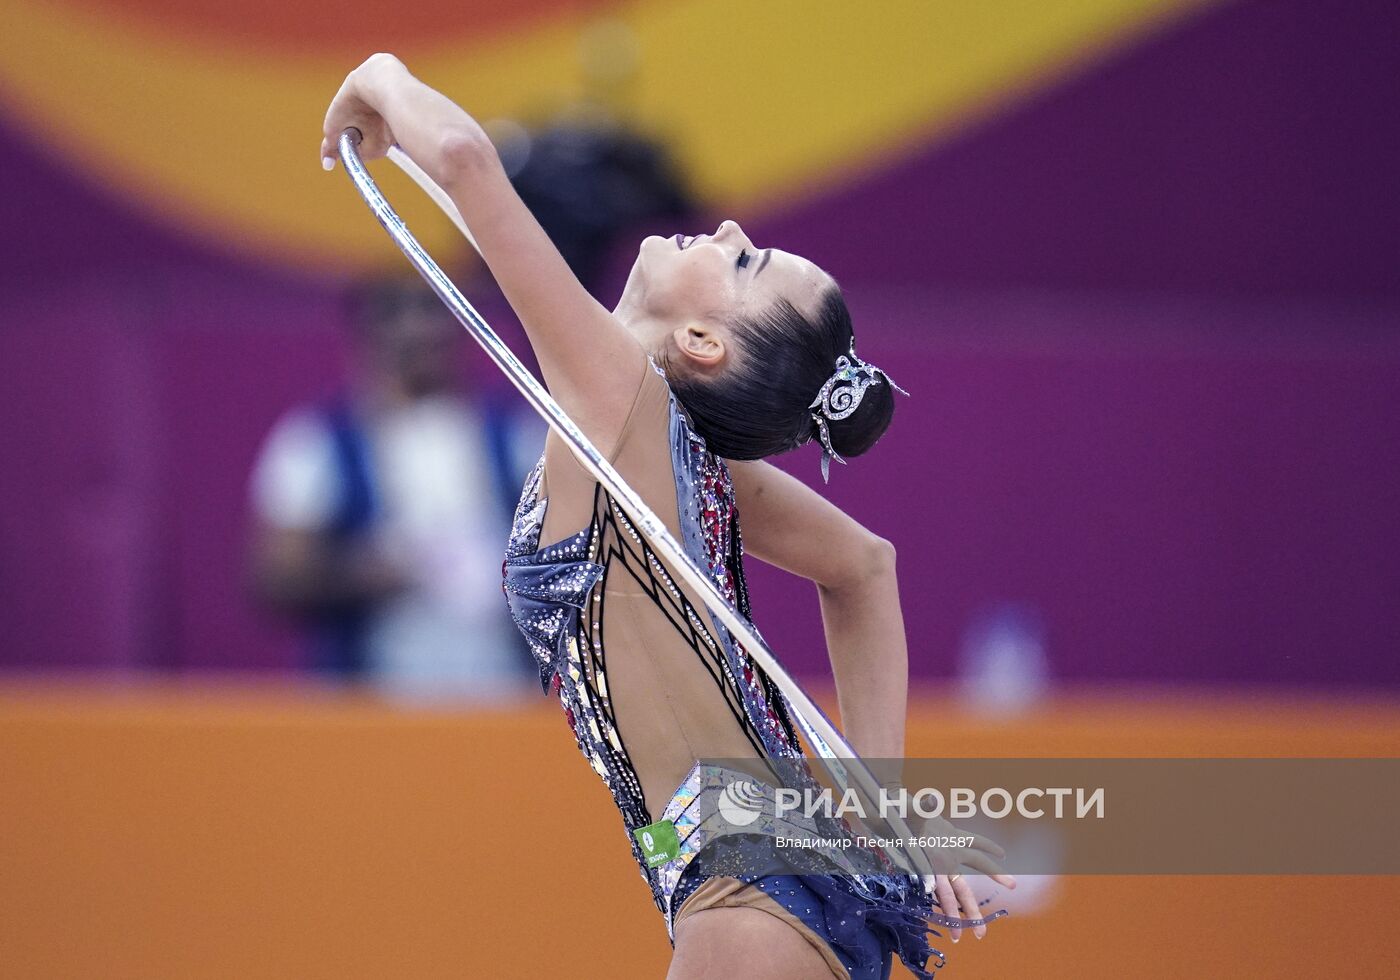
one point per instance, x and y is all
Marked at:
(743, 258)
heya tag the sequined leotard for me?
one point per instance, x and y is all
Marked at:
(650, 684)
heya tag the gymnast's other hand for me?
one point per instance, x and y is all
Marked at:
(359, 104)
(949, 885)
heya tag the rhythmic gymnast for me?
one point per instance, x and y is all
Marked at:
(718, 355)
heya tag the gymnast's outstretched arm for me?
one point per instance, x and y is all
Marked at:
(590, 363)
(787, 524)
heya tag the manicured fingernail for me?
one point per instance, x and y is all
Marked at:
(327, 163)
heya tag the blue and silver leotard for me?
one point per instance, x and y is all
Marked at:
(651, 684)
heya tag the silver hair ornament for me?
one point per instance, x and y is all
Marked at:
(841, 396)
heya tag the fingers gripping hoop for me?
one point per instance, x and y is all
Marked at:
(835, 755)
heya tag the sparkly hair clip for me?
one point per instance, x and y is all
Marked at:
(841, 396)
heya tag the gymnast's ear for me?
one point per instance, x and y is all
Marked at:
(702, 345)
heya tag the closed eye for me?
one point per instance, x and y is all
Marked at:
(743, 260)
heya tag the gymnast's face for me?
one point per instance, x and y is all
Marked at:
(689, 289)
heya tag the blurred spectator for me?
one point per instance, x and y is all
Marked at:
(592, 182)
(588, 173)
(381, 514)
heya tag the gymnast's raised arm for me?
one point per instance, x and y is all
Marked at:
(791, 526)
(590, 363)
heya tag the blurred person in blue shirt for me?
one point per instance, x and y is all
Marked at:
(379, 515)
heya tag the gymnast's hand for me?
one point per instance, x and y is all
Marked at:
(359, 103)
(950, 885)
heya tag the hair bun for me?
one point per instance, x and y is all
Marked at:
(860, 430)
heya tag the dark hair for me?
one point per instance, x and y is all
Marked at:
(760, 406)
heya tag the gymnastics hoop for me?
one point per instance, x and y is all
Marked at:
(845, 767)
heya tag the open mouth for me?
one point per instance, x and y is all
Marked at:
(684, 241)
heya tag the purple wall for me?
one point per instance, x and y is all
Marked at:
(1177, 504)
(133, 429)
(1252, 149)
(1150, 318)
